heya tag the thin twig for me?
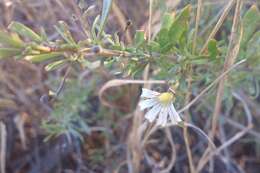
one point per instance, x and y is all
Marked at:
(219, 149)
(121, 20)
(197, 25)
(173, 155)
(120, 82)
(3, 134)
(229, 60)
(134, 142)
(232, 53)
(187, 99)
(187, 146)
(19, 121)
(210, 86)
(187, 119)
(62, 84)
(150, 20)
(211, 143)
(218, 25)
(241, 127)
(246, 108)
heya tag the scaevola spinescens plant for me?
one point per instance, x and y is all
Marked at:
(170, 54)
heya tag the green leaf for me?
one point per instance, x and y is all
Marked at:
(55, 65)
(94, 27)
(250, 22)
(164, 41)
(163, 37)
(167, 20)
(84, 127)
(105, 11)
(24, 31)
(139, 38)
(12, 40)
(253, 50)
(153, 46)
(9, 52)
(199, 61)
(63, 30)
(44, 35)
(180, 25)
(212, 48)
(43, 57)
(172, 30)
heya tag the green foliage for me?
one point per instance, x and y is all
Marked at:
(11, 40)
(169, 54)
(167, 20)
(250, 22)
(65, 117)
(55, 65)
(9, 52)
(64, 32)
(42, 57)
(212, 49)
(253, 50)
(171, 34)
(250, 50)
(139, 39)
(105, 11)
(24, 31)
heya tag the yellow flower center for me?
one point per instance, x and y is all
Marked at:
(165, 98)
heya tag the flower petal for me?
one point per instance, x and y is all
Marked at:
(165, 116)
(174, 116)
(147, 103)
(146, 93)
(162, 119)
(152, 113)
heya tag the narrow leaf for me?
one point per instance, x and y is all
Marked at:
(105, 11)
(9, 52)
(94, 27)
(212, 48)
(167, 20)
(153, 46)
(42, 57)
(171, 35)
(180, 25)
(24, 31)
(55, 65)
(253, 50)
(139, 38)
(63, 30)
(11, 40)
(250, 22)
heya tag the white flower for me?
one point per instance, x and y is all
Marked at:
(161, 107)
